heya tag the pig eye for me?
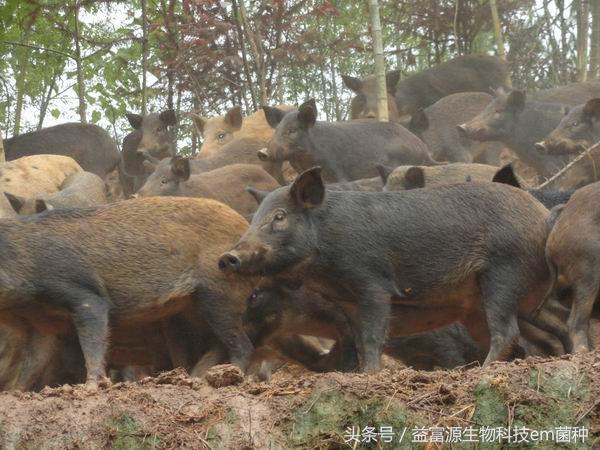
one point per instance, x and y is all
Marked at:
(291, 131)
(253, 297)
(160, 129)
(221, 136)
(279, 216)
(574, 124)
(164, 181)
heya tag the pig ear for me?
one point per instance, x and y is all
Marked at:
(307, 113)
(199, 122)
(259, 196)
(353, 83)
(419, 121)
(41, 205)
(168, 117)
(149, 167)
(384, 172)
(308, 190)
(234, 117)
(273, 115)
(15, 201)
(506, 175)
(516, 101)
(499, 91)
(135, 120)
(414, 178)
(391, 80)
(181, 168)
(592, 109)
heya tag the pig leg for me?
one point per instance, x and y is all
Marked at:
(40, 350)
(226, 323)
(500, 293)
(90, 316)
(374, 309)
(216, 355)
(585, 292)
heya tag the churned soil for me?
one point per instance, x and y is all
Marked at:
(301, 409)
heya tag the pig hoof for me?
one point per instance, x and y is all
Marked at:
(224, 375)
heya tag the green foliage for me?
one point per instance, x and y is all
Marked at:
(127, 435)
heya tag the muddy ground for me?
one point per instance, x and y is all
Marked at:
(299, 409)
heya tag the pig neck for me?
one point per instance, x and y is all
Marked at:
(536, 121)
(327, 143)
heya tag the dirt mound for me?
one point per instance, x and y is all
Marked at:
(299, 409)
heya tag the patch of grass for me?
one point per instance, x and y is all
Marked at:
(128, 435)
(490, 410)
(321, 422)
(564, 392)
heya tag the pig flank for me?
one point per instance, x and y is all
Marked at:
(226, 184)
(301, 231)
(89, 145)
(436, 126)
(80, 190)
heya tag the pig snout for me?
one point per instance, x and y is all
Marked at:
(263, 154)
(541, 147)
(230, 262)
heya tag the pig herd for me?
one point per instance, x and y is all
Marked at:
(292, 239)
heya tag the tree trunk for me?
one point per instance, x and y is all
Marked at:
(595, 41)
(2, 155)
(20, 84)
(497, 30)
(257, 50)
(144, 55)
(79, 62)
(46, 101)
(240, 34)
(583, 25)
(382, 109)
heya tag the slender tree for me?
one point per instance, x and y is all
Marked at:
(583, 25)
(144, 55)
(497, 30)
(382, 109)
(595, 40)
(79, 63)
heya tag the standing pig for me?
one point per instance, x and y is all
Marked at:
(89, 145)
(518, 123)
(413, 177)
(573, 253)
(405, 262)
(469, 73)
(151, 138)
(220, 130)
(226, 184)
(436, 126)
(346, 150)
(80, 190)
(111, 266)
